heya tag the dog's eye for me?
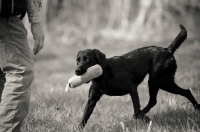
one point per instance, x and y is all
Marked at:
(86, 59)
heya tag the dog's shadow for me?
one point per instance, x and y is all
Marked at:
(169, 120)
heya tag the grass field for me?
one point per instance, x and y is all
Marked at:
(56, 63)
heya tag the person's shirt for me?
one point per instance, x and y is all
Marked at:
(34, 10)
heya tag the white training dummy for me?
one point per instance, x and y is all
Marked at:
(91, 73)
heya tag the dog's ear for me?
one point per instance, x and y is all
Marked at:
(78, 54)
(100, 57)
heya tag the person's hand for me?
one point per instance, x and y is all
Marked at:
(38, 35)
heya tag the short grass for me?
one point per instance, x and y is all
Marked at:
(56, 63)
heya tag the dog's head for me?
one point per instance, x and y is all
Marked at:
(88, 58)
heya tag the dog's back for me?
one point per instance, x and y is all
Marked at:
(134, 65)
(131, 68)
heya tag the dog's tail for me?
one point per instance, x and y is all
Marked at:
(178, 40)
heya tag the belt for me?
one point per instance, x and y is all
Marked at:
(21, 16)
(4, 16)
(7, 16)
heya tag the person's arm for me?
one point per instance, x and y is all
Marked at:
(34, 10)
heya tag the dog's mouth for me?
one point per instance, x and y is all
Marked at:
(80, 71)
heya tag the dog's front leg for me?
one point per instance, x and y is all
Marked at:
(136, 105)
(135, 100)
(92, 100)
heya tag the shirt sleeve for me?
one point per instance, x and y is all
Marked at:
(34, 10)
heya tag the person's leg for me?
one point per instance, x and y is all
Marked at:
(17, 65)
(2, 82)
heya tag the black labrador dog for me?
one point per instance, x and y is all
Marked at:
(122, 74)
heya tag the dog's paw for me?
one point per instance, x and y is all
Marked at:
(197, 107)
(142, 117)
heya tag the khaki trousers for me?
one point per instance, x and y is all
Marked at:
(16, 74)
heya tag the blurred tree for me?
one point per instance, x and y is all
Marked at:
(53, 10)
(123, 19)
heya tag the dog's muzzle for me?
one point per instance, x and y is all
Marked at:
(79, 71)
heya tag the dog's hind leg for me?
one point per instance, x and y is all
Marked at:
(172, 87)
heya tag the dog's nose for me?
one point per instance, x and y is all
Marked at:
(78, 71)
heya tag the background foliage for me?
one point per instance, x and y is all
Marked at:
(86, 21)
